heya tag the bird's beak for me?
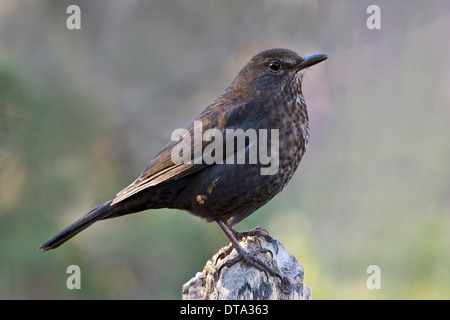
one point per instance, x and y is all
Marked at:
(308, 61)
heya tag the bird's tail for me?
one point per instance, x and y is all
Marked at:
(103, 211)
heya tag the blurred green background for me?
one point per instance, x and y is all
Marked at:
(82, 112)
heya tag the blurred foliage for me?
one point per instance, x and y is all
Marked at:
(83, 111)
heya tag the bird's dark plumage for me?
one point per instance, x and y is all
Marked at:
(266, 94)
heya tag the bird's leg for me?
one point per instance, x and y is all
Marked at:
(258, 231)
(243, 255)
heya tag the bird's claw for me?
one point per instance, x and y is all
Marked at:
(258, 231)
(251, 260)
(225, 253)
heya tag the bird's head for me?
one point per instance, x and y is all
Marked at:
(270, 71)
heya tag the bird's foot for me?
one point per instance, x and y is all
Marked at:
(257, 232)
(250, 258)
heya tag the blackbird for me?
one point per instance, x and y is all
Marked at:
(262, 107)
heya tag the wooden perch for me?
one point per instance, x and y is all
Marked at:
(242, 282)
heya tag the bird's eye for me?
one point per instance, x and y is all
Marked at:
(275, 66)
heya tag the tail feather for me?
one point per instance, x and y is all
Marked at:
(99, 213)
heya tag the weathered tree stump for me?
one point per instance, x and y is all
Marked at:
(243, 282)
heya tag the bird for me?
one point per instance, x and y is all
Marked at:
(265, 97)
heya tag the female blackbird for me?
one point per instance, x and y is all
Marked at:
(265, 97)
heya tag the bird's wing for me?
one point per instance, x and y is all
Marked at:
(162, 169)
